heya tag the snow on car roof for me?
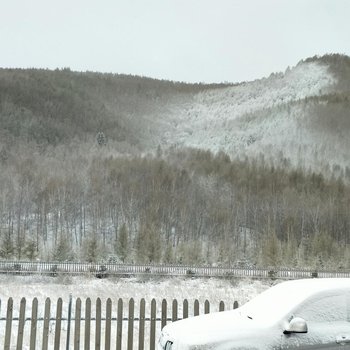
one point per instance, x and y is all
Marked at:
(271, 308)
(281, 298)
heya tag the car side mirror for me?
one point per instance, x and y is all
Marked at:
(296, 325)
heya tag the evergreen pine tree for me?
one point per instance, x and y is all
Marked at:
(122, 243)
(91, 252)
(62, 251)
(31, 250)
(271, 250)
(7, 247)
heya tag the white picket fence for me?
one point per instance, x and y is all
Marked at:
(115, 324)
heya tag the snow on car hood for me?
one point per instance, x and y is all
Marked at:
(258, 324)
(217, 330)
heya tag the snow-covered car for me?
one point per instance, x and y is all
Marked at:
(301, 314)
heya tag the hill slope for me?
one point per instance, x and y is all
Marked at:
(64, 196)
(300, 117)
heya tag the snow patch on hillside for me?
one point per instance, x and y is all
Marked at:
(258, 117)
(209, 121)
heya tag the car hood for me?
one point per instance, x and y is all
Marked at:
(217, 330)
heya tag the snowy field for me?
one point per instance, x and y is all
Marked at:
(213, 290)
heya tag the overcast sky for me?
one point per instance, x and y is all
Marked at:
(184, 40)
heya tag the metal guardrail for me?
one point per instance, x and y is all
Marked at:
(116, 269)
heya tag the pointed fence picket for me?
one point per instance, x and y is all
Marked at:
(113, 324)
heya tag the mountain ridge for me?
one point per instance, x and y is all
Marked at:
(283, 116)
(151, 171)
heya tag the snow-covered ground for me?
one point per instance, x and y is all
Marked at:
(213, 290)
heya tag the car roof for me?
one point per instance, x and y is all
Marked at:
(306, 287)
(287, 295)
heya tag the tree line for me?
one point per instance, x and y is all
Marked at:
(77, 182)
(179, 206)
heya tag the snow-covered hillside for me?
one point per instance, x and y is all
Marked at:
(299, 117)
(271, 116)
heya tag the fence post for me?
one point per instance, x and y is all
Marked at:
(69, 320)
(58, 324)
(108, 324)
(206, 307)
(46, 323)
(142, 324)
(98, 325)
(196, 308)
(22, 315)
(87, 324)
(131, 324)
(153, 325)
(120, 324)
(185, 309)
(33, 327)
(164, 313)
(8, 324)
(77, 324)
(174, 316)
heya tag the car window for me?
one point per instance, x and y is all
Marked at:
(330, 308)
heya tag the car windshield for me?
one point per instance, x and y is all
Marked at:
(273, 304)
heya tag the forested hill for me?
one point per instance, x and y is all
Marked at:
(98, 165)
(299, 117)
(55, 107)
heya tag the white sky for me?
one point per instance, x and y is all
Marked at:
(184, 40)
